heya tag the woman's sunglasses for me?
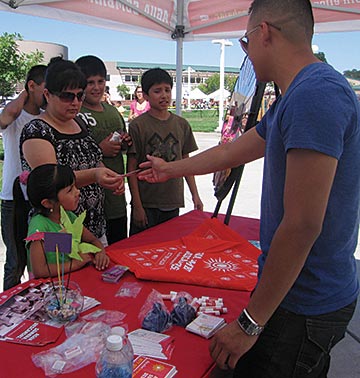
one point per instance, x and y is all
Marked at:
(69, 97)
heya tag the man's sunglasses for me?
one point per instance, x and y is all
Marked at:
(244, 40)
(69, 97)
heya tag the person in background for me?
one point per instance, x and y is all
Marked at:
(158, 133)
(120, 108)
(106, 95)
(12, 120)
(103, 121)
(59, 136)
(49, 188)
(139, 105)
(307, 288)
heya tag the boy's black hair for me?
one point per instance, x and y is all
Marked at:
(44, 182)
(62, 74)
(91, 65)
(36, 74)
(155, 76)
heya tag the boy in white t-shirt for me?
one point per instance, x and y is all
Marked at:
(12, 120)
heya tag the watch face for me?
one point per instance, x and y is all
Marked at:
(248, 326)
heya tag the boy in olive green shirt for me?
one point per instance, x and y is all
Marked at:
(103, 120)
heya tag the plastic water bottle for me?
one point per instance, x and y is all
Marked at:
(127, 347)
(113, 361)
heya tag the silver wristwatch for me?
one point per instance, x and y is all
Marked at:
(248, 324)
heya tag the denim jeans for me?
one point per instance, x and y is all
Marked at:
(295, 346)
(154, 217)
(7, 233)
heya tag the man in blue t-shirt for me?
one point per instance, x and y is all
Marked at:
(310, 139)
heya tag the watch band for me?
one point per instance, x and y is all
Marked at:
(248, 324)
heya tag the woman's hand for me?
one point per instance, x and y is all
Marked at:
(101, 260)
(109, 179)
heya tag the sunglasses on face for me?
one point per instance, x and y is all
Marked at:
(244, 40)
(69, 97)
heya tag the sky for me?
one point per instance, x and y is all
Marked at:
(341, 49)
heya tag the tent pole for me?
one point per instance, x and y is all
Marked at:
(179, 67)
(179, 36)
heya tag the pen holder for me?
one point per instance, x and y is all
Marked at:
(63, 303)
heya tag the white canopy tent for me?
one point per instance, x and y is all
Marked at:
(197, 94)
(217, 94)
(180, 20)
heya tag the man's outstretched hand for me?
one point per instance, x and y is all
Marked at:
(154, 170)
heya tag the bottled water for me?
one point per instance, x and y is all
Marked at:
(113, 361)
(127, 347)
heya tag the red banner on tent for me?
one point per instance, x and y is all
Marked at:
(213, 255)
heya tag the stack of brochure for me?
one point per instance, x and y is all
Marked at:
(149, 367)
(151, 344)
(205, 325)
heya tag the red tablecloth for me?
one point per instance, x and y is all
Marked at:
(191, 355)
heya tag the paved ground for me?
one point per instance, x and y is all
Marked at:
(345, 356)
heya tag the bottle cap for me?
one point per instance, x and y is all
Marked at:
(120, 331)
(114, 342)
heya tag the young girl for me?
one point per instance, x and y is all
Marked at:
(50, 186)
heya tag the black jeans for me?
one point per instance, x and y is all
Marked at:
(295, 346)
(154, 217)
(116, 229)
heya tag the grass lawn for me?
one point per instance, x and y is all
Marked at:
(202, 120)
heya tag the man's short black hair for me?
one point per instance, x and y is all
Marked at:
(155, 76)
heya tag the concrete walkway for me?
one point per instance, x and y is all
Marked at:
(346, 355)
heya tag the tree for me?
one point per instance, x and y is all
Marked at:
(123, 90)
(352, 74)
(213, 83)
(230, 81)
(321, 56)
(14, 64)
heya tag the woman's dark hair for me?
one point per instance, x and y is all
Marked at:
(63, 74)
(44, 182)
(135, 91)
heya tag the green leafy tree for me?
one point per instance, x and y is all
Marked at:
(14, 64)
(230, 81)
(352, 74)
(123, 90)
(321, 56)
(213, 83)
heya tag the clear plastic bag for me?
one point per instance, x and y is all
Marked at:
(129, 289)
(154, 315)
(76, 352)
(110, 317)
(184, 312)
(88, 328)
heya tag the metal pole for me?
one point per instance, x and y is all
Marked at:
(189, 87)
(222, 83)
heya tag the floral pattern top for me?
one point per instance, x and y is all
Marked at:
(79, 151)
